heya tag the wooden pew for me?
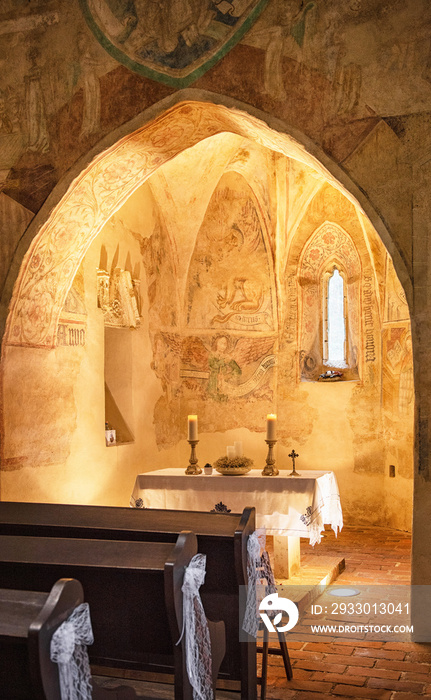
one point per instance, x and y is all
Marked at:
(129, 593)
(221, 536)
(27, 622)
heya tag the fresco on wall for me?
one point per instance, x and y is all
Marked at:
(295, 22)
(331, 37)
(72, 326)
(227, 368)
(174, 42)
(206, 373)
(166, 363)
(322, 66)
(156, 254)
(396, 307)
(398, 387)
(23, 102)
(230, 277)
(397, 396)
(88, 78)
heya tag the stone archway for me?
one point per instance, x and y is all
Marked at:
(59, 243)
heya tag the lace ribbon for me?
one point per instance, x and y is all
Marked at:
(258, 568)
(69, 651)
(195, 631)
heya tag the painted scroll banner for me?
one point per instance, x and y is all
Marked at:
(235, 391)
(244, 319)
(256, 378)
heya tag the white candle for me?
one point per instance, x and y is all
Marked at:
(230, 452)
(271, 424)
(192, 428)
(238, 449)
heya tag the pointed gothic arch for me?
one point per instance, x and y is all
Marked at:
(60, 235)
(330, 245)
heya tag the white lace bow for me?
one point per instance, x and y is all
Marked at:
(69, 651)
(258, 568)
(195, 631)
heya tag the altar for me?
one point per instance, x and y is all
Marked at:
(289, 507)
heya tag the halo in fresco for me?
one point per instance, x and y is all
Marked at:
(171, 41)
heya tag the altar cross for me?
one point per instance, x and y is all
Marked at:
(293, 455)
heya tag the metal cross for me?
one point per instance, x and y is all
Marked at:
(293, 455)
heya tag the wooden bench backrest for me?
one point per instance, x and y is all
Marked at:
(124, 585)
(135, 524)
(27, 622)
(222, 537)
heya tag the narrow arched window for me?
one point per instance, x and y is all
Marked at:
(330, 276)
(335, 321)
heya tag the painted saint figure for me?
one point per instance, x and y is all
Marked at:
(37, 128)
(91, 88)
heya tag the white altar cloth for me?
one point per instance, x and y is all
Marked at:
(297, 506)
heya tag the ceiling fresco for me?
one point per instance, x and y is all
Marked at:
(171, 42)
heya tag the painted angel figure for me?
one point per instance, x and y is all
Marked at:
(223, 369)
(239, 367)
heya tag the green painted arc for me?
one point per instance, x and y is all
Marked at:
(169, 80)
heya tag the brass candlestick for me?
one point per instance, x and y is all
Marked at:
(269, 468)
(294, 454)
(193, 467)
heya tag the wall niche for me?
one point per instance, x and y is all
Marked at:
(118, 296)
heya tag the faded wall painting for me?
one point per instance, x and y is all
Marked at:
(398, 396)
(76, 71)
(396, 307)
(398, 385)
(72, 326)
(230, 283)
(397, 374)
(157, 256)
(207, 374)
(232, 368)
(173, 42)
(226, 353)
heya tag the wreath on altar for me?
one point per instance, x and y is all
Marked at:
(236, 466)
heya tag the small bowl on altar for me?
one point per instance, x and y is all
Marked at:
(233, 467)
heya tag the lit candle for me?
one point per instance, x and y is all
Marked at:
(192, 428)
(271, 424)
(238, 449)
(230, 452)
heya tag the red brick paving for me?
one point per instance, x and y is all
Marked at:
(335, 667)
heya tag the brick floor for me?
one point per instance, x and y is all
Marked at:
(357, 668)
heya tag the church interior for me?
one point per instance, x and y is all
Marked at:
(220, 209)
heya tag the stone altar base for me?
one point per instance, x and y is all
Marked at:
(308, 581)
